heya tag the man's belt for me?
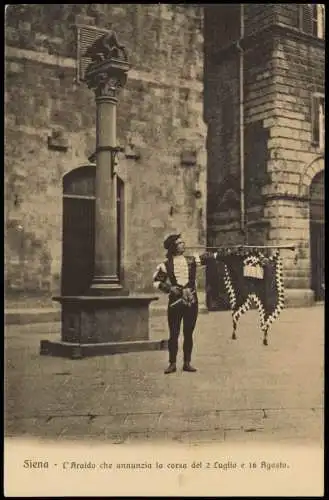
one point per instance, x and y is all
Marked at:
(187, 299)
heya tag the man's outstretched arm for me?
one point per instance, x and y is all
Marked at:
(203, 259)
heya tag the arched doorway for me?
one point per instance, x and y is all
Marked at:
(317, 235)
(79, 229)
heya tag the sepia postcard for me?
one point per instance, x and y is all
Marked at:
(164, 250)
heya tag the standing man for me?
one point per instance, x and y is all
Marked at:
(176, 277)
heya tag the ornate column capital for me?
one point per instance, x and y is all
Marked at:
(107, 72)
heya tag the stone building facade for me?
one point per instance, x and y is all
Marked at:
(221, 124)
(264, 109)
(50, 130)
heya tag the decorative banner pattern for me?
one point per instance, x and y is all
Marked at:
(250, 277)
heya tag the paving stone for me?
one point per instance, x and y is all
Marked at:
(297, 421)
(77, 427)
(202, 437)
(25, 427)
(141, 421)
(153, 436)
(106, 424)
(247, 420)
(188, 422)
(285, 435)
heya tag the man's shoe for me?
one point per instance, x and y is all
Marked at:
(188, 368)
(171, 368)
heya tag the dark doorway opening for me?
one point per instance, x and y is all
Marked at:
(317, 236)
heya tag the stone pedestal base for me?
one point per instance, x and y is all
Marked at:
(79, 351)
(102, 325)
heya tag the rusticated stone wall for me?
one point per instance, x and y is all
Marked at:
(50, 129)
(283, 66)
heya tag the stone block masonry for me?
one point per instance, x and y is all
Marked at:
(43, 99)
(298, 72)
(175, 70)
(282, 68)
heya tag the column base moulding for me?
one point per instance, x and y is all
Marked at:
(108, 289)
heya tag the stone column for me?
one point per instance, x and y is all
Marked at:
(106, 75)
(108, 319)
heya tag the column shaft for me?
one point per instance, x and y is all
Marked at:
(106, 270)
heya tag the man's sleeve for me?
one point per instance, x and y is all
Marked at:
(159, 279)
(202, 259)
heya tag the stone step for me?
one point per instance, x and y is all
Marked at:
(30, 316)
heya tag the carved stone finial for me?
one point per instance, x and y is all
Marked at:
(107, 73)
(107, 47)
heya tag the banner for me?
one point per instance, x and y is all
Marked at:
(249, 278)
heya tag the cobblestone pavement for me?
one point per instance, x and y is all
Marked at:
(243, 391)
